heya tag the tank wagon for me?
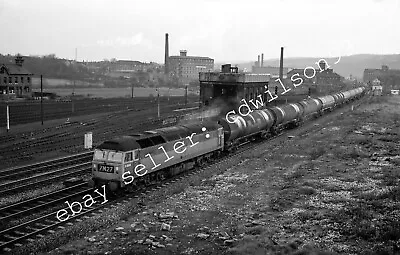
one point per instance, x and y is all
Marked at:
(126, 161)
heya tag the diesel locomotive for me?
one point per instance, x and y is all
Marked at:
(127, 161)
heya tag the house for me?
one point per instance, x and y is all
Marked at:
(15, 80)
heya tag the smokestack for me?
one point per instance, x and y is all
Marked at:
(281, 66)
(258, 61)
(166, 58)
(262, 59)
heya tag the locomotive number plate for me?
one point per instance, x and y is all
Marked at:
(106, 169)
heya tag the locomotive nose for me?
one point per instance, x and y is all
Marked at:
(91, 183)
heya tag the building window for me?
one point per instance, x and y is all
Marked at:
(16, 80)
(29, 79)
(10, 80)
(5, 80)
(22, 79)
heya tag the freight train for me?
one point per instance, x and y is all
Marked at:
(131, 160)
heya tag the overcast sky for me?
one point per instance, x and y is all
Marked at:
(226, 30)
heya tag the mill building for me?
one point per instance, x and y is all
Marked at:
(187, 68)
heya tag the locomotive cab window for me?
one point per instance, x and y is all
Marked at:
(135, 155)
(128, 157)
(100, 155)
(114, 156)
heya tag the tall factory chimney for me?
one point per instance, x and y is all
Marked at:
(262, 59)
(281, 66)
(166, 58)
(258, 61)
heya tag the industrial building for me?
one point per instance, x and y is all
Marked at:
(389, 78)
(126, 66)
(15, 80)
(372, 74)
(259, 67)
(323, 80)
(185, 68)
(118, 68)
(231, 85)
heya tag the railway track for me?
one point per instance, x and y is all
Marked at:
(17, 235)
(42, 202)
(25, 150)
(20, 185)
(26, 112)
(22, 171)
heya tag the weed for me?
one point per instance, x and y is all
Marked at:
(393, 193)
(195, 182)
(353, 152)
(306, 215)
(258, 230)
(178, 189)
(306, 190)
(363, 140)
(316, 153)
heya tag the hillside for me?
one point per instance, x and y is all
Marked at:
(50, 66)
(353, 64)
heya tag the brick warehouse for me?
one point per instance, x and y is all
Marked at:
(15, 80)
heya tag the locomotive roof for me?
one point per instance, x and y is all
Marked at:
(121, 143)
(155, 137)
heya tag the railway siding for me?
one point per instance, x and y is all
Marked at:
(157, 202)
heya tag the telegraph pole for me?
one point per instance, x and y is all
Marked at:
(73, 89)
(158, 103)
(72, 98)
(8, 115)
(41, 98)
(186, 94)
